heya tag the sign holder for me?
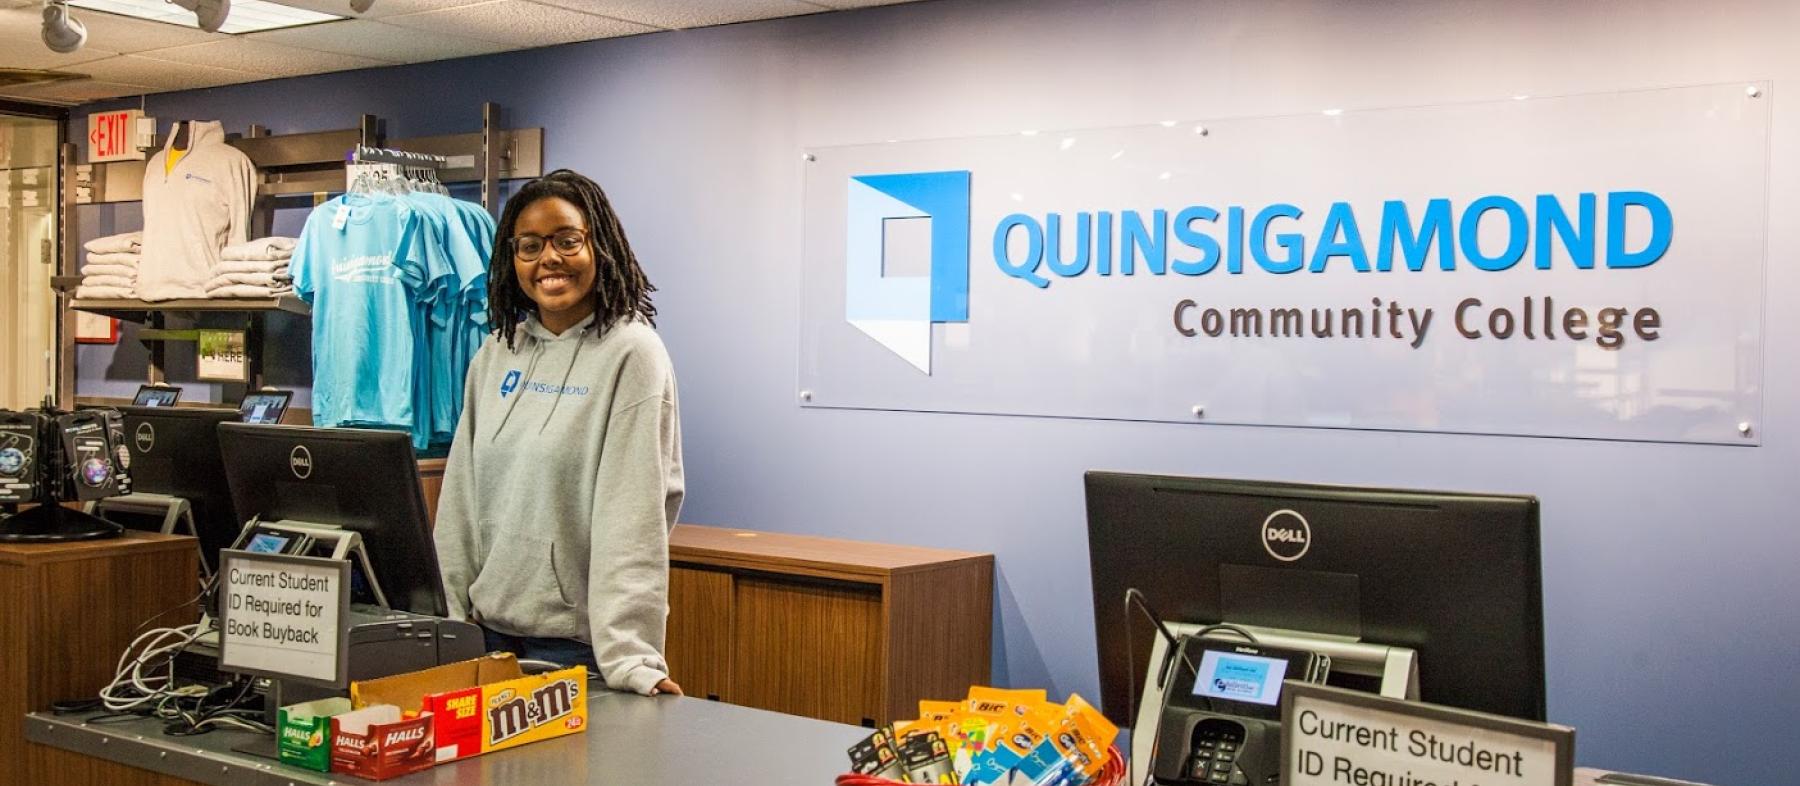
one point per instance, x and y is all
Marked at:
(233, 658)
(1297, 697)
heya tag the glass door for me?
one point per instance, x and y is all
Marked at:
(28, 259)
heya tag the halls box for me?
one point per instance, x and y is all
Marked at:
(484, 705)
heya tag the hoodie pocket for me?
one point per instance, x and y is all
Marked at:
(519, 576)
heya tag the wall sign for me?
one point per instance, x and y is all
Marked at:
(1332, 737)
(1583, 266)
(283, 616)
(221, 356)
(112, 136)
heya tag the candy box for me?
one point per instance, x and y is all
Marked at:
(379, 743)
(486, 704)
(303, 732)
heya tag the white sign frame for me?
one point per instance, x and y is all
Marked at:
(1294, 694)
(222, 368)
(231, 659)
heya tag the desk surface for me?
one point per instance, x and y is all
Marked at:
(631, 739)
(131, 541)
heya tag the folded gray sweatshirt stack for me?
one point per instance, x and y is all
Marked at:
(258, 268)
(111, 269)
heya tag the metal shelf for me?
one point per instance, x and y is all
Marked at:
(140, 310)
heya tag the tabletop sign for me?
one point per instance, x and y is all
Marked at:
(1337, 737)
(112, 136)
(283, 616)
(222, 356)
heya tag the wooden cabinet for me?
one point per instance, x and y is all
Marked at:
(70, 609)
(832, 629)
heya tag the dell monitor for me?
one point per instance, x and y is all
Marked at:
(359, 479)
(175, 451)
(156, 395)
(1455, 577)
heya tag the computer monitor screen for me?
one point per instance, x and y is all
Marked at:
(156, 396)
(175, 451)
(359, 479)
(264, 406)
(1454, 576)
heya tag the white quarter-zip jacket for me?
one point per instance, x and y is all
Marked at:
(192, 211)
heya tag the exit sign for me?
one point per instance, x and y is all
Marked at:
(112, 135)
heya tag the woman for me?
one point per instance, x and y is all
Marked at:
(565, 474)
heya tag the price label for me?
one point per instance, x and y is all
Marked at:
(222, 356)
(283, 616)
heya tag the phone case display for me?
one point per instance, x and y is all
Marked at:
(198, 192)
(398, 288)
(111, 268)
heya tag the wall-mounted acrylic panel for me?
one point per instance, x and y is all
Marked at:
(1586, 266)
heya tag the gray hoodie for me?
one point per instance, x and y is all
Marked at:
(561, 486)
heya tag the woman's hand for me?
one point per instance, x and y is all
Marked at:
(667, 686)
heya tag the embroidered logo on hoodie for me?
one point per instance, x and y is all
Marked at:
(192, 176)
(510, 383)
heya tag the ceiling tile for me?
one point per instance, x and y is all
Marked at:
(164, 75)
(21, 44)
(700, 13)
(381, 8)
(124, 34)
(263, 57)
(376, 39)
(519, 23)
(76, 92)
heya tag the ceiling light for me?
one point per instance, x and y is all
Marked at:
(62, 33)
(245, 16)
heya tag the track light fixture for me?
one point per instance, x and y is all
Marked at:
(62, 33)
(210, 13)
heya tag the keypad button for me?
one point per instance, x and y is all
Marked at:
(1220, 777)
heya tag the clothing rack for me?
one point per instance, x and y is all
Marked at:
(288, 165)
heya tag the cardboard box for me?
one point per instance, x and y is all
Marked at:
(484, 705)
(303, 732)
(379, 743)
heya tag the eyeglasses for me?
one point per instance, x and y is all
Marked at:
(567, 243)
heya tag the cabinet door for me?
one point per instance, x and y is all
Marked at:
(808, 647)
(699, 634)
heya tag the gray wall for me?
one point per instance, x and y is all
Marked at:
(1669, 580)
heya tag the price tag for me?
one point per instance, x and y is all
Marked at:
(1332, 736)
(283, 616)
(341, 219)
(222, 356)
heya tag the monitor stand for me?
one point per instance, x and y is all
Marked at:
(53, 523)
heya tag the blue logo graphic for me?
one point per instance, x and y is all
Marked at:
(510, 383)
(898, 311)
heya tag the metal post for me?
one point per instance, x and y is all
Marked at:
(253, 351)
(370, 126)
(490, 158)
(68, 238)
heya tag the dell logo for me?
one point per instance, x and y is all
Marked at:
(146, 437)
(1286, 535)
(300, 461)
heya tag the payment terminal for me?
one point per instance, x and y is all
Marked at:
(1221, 719)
